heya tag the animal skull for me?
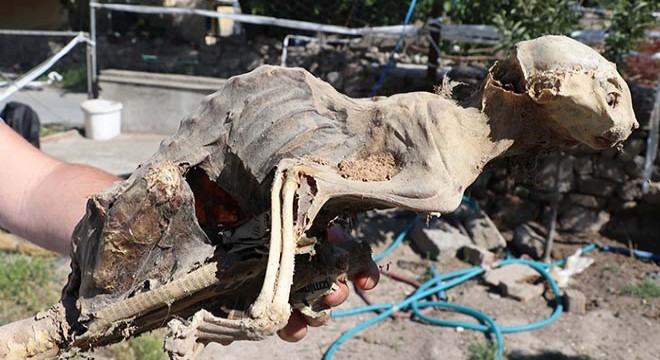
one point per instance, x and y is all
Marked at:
(215, 222)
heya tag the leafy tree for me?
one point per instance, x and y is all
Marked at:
(630, 19)
(352, 13)
(517, 20)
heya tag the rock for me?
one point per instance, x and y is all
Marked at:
(521, 192)
(653, 195)
(513, 280)
(575, 302)
(521, 291)
(630, 191)
(583, 165)
(476, 256)
(483, 231)
(528, 241)
(547, 172)
(513, 211)
(334, 79)
(610, 169)
(635, 167)
(437, 239)
(588, 201)
(514, 272)
(578, 219)
(643, 98)
(633, 147)
(593, 186)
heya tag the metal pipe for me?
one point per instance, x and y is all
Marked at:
(550, 236)
(38, 33)
(259, 20)
(92, 68)
(285, 44)
(652, 141)
(42, 68)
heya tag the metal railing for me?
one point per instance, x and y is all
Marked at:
(78, 37)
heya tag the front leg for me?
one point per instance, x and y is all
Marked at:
(271, 310)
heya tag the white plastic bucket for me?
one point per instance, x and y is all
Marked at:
(102, 118)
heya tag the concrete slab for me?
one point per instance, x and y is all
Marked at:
(155, 103)
(53, 105)
(120, 155)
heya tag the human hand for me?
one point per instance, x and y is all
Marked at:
(296, 328)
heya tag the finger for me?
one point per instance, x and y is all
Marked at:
(317, 321)
(338, 296)
(295, 330)
(368, 279)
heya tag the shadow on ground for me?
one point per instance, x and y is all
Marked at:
(546, 355)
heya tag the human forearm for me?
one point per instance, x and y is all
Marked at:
(42, 198)
(56, 204)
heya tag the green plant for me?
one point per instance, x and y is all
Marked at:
(612, 267)
(148, 346)
(25, 285)
(645, 289)
(630, 19)
(482, 351)
(352, 13)
(516, 20)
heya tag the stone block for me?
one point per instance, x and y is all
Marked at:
(514, 272)
(476, 256)
(514, 281)
(587, 201)
(575, 302)
(528, 241)
(630, 191)
(483, 231)
(578, 219)
(437, 239)
(547, 172)
(598, 187)
(635, 167)
(653, 195)
(583, 165)
(610, 169)
(521, 291)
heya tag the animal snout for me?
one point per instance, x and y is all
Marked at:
(616, 135)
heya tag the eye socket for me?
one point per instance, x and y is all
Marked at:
(612, 99)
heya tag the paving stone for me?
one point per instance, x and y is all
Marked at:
(575, 302)
(476, 256)
(514, 272)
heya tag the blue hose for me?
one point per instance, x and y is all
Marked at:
(440, 283)
(397, 46)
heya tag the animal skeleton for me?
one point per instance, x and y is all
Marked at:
(214, 224)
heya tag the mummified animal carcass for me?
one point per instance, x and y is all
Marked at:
(208, 232)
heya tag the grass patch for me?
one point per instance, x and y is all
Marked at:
(73, 78)
(645, 289)
(482, 351)
(148, 346)
(54, 128)
(612, 267)
(26, 285)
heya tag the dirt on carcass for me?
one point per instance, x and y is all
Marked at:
(378, 167)
(615, 326)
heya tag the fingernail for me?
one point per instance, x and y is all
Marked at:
(370, 283)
